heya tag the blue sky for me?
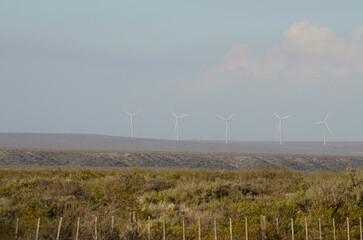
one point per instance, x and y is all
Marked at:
(74, 66)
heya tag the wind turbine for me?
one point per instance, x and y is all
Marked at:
(226, 119)
(325, 125)
(177, 122)
(132, 121)
(280, 123)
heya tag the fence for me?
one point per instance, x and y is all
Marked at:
(253, 228)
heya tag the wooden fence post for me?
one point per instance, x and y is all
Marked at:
(360, 229)
(164, 234)
(183, 229)
(306, 230)
(199, 230)
(292, 229)
(246, 228)
(37, 232)
(59, 227)
(277, 226)
(334, 235)
(215, 229)
(112, 223)
(148, 228)
(96, 235)
(77, 232)
(263, 227)
(230, 228)
(16, 228)
(320, 237)
(134, 219)
(348, 231)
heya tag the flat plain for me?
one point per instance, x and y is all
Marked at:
(176, 160)
(28, 149)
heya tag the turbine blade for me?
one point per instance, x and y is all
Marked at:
(318, 122)
(326, 125)
(287, 116)
(136, 112)
(222, 118)
(128, 113)
(185, 115)
(326, 118)
(173, 113)
(276, 115)
(231, 116)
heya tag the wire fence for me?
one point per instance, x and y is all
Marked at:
(185, 228)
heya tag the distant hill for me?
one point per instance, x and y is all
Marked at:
(189, 160)
(29, 149)
(101, 142)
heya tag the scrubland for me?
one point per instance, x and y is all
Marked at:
(51, 193)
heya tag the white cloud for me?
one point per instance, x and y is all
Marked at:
(311, 54)
(215, 78)
(317, 51)
(304, 37)
(263, 64)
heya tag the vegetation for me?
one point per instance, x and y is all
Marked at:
(176, 194)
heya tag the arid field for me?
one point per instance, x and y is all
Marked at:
(142, 194)
(168, 196)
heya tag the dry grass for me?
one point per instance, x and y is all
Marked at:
(52, 193)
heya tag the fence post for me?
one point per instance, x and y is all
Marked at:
(215, 229)
(148, 228)
(77, 232)
(246, 228)
(306, 230)
(96, 228)
(134, 218)
(320, 237)
(164, 234)
(334, 235)
(230, 228)
(59, 227)
(348, 231)
(16, 228)
(112, 223)
(360, 229)
(183, 229)
(263, 227)
(292, 229)
(37, 232)
(277, 226)
(199, 230)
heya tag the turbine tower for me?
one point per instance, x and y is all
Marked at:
(280, 123)
(226, 119)
(325, 126)
(132, 121)
(177, 122)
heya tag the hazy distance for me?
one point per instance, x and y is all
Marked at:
(102, 142)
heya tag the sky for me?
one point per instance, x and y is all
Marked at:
(75, 66)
